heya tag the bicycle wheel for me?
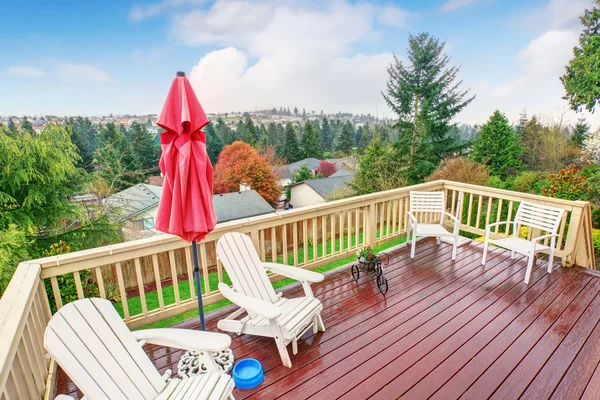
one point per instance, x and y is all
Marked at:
(355, 272)
(385, 258)
(382, 284)
(378, 270)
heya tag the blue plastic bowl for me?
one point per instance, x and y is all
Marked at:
(248, 373)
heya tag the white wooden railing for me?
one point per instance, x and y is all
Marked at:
(151, 273)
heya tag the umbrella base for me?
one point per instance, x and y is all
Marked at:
(190, 363)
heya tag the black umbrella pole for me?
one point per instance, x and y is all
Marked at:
(198, 287)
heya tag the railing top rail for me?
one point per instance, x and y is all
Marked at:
(15, 303)
(517, 196)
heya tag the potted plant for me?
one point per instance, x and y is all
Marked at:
(366, 255)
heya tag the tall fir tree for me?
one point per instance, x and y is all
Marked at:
(225, 132)
(498, 147)
(144, 149)
(251, 132)
(425, 96)
(583, 72)
(581, 131)
(291, 149)
(523, 120)
(11, 126)
(326, 135)
(84, 136)
(310, 143)
(347, 139)
(26, 126)
(214, 143)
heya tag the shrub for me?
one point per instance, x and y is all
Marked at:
(596, 237)
(461, 169)
(326, 168)
(568, 184)
(530, 182)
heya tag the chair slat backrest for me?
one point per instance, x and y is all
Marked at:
(240, 259)
(92, 344)
(544, 218)
(431, 202)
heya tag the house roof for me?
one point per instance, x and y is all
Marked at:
(325, 186)
(229, 206)
(286, 171)
(134, 200)
(236, 205)
(343, 172)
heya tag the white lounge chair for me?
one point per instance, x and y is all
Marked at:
(534, 216)
(92, 344)
(269, 314)
(430, 202)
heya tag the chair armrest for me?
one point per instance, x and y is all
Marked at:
(258, 306)
(537, 239)
(498, 223)
(452, 217)
(299, 274)
(412, 217)
(185, 339)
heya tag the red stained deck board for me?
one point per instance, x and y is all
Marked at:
(437, 316)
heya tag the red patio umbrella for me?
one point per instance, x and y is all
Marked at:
(185, 207)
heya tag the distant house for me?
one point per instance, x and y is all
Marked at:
(285, 172)
(316, 191)
(343, 172)
(136, 208)
(237, 205)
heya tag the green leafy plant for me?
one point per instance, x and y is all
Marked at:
(568, 184)
(366, 253)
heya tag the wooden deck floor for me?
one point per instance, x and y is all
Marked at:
(444, 330)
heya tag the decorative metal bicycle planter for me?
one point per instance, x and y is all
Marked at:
(369, 262)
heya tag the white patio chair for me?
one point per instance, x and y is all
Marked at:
(534, 216)
(269, 314)
(430, 202)
(92, 344)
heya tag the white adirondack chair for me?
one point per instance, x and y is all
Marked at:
(430, 202)
(92, 344)
(534, 216)
(269, 314)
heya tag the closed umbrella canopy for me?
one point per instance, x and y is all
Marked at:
(186, 207)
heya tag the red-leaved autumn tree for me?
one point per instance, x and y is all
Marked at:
(326, 168)
(240, 163)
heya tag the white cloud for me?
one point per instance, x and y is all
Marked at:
(71, 72)
(143, 11)
(288, 54)
(25, 71)
(453, 5)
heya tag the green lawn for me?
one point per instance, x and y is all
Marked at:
(135, 305)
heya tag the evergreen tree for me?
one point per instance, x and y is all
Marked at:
(498, 147)
(358, 135)
(326, 136)
(214, 143)
(263, 137)
(365, 139)
(531, 140)
(346, 139)
(309, 141)
(296, 111)
(523, 120)
(251, 133)
(225, 132)
(425, 96)
(241, 132)
(83, 135)
(581, 131)
(12, 128)
(379, 169)
(117, 163)
(144, 149)
(583, 72)
(291, 148)
(26, 126)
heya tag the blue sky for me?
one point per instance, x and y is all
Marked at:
(100, 57)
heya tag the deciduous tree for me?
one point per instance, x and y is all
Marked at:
(326, 168)
(240, 163)
(583, 72)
